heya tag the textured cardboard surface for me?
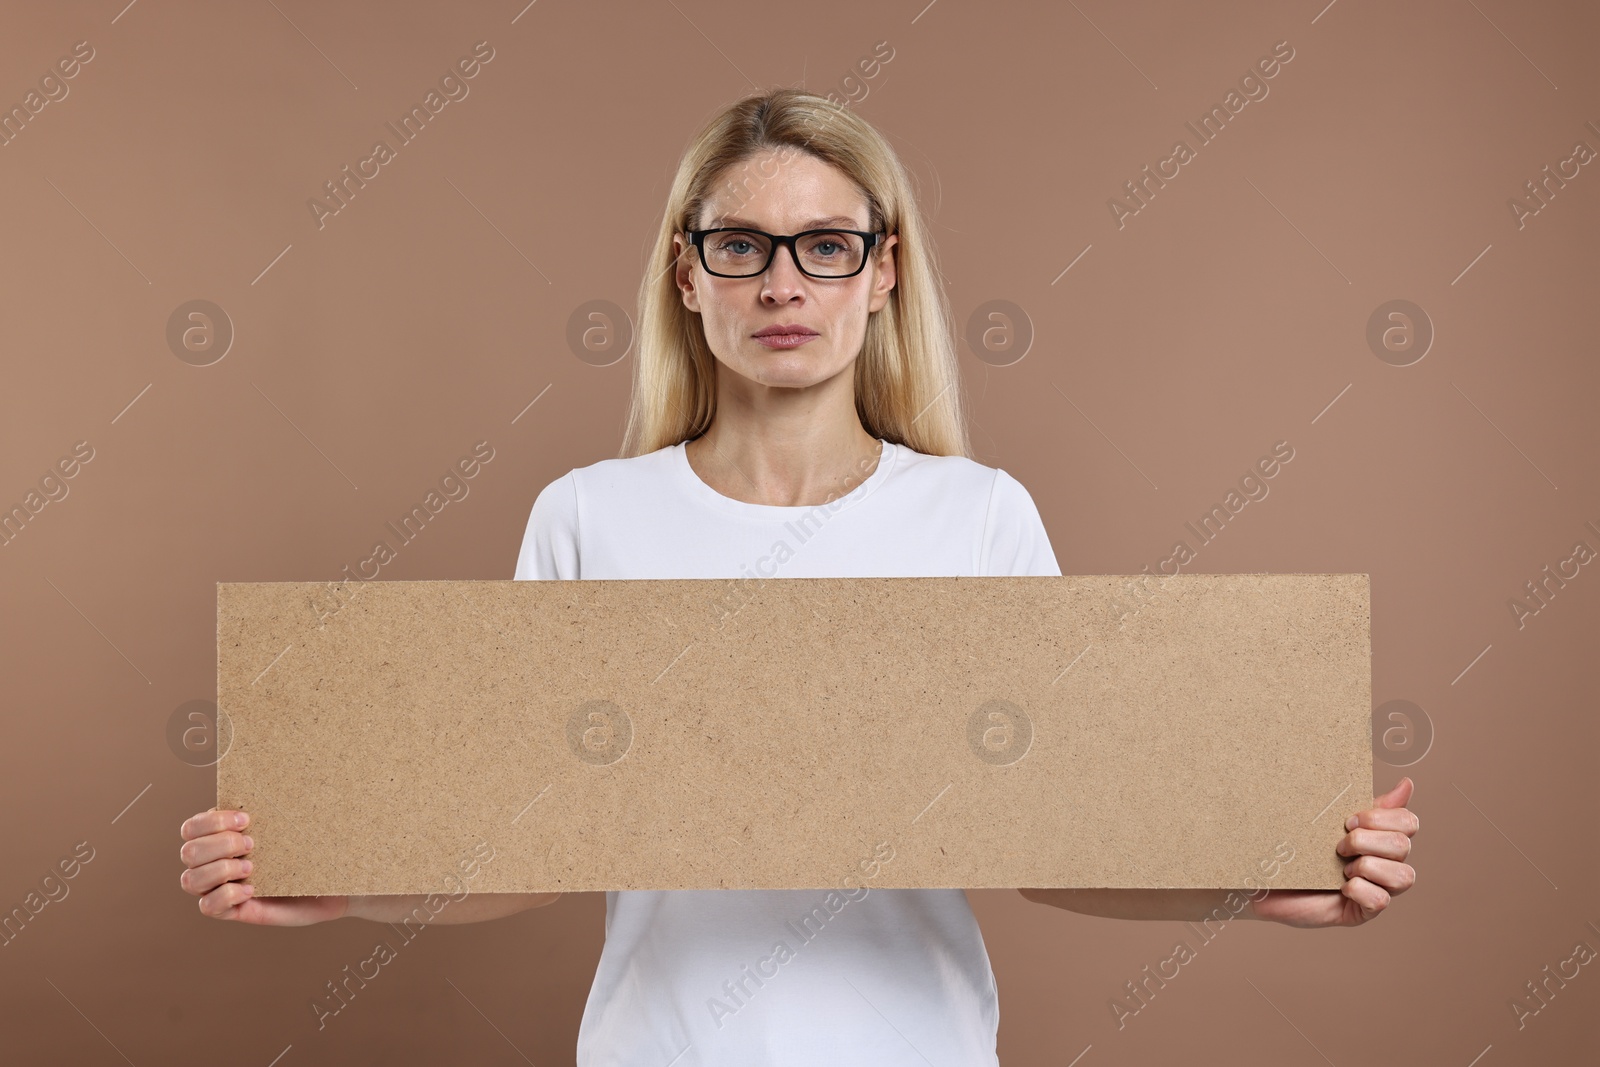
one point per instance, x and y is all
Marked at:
(1115, 731)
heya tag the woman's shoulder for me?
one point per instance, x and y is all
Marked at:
(593, 492)
(615, 471)
(1011, 534)
(955, 473)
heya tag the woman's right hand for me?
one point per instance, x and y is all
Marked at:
(214, 843)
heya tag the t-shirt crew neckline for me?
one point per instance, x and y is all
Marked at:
(704, 493)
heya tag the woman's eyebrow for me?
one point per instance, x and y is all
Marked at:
(810, 224)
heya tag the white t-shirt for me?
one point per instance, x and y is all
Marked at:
(695, 978)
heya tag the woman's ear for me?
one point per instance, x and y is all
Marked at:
(683, 274)
(883, 273)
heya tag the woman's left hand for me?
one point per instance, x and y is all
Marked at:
(1378, 842)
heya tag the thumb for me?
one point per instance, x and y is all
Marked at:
(1397, 797)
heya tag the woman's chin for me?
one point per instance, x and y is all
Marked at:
(787, 370)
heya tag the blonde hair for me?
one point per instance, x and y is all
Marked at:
(907, 380)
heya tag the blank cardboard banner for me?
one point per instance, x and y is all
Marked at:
(1195, 731)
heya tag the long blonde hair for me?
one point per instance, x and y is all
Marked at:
(907, 381)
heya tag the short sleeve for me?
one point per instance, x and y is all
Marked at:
(1014, 537)
(550, 543)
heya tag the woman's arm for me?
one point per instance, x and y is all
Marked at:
(1177, 905)
(1378, 842)
(475, 908)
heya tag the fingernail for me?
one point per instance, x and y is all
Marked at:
(1352, 822)
(249, 890)
(241, 820)
(247, 866)
(248, 844)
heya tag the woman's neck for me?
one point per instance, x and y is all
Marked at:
(767, 468)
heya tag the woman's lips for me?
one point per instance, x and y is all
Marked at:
(786, 340)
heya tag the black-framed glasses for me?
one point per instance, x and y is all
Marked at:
(733, 252)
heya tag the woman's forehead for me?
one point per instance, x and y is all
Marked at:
(754, 222)
(802, 193)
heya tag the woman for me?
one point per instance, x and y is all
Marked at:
(776, 375)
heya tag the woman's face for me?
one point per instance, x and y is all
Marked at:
(804, 193)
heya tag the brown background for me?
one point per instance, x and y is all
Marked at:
(371, 353)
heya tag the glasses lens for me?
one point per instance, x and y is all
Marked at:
(825, 254)
(830, 253)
